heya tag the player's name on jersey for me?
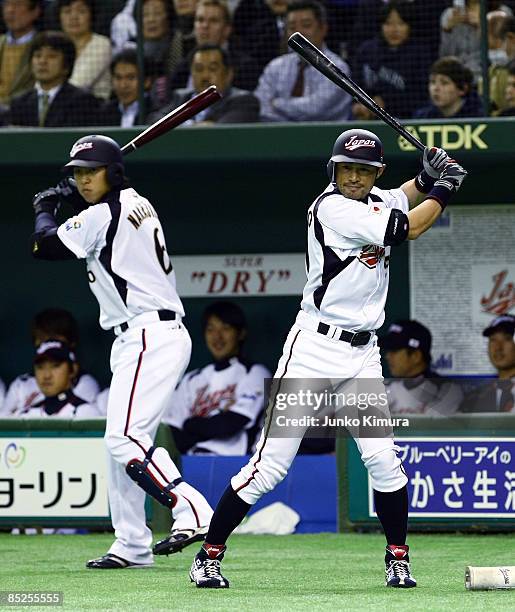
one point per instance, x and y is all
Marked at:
(240, 275)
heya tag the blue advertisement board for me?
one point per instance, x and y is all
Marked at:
(463, 477)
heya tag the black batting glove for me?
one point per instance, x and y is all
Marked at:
(46, 202)
(433, 160)
(69, 194)
(451, 179)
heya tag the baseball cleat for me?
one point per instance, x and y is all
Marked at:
(398, 571)
(205, 570)
(179, 539)
(111, 561)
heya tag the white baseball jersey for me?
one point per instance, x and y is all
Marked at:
(216, 388)
(433, 396)
(347, 262)
(24, 392)
(127, 262)
(69, 410)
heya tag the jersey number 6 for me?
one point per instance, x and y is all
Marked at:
(162, 255)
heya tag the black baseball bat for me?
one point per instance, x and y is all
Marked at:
(301, 45)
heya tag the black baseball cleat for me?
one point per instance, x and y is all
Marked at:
(179, 539)
(398, 571)
(111, 561)
(205, 569)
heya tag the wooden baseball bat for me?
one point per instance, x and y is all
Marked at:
(174, 118)
(323, 64)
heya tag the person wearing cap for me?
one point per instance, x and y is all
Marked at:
(415, 388)
(57, 324)
(54, 369)
(351, 227)
(118, 233)
(499, 394)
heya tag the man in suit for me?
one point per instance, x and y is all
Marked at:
(211, 65)
(20, 17)
(498, 395)
(53, 102)
(213, 26)
(123, 109)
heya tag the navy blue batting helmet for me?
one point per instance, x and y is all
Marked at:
(94, 151)
(358, 147)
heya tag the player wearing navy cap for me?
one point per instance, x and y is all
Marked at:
(351, 227)
(118, 233)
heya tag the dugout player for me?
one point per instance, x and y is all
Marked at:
(23, 392)
(214, 408)
(119, 234)
(351, 227)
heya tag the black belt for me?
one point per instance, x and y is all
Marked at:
(354, 338)
(164, 315)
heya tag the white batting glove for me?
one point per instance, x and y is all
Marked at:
(434, 160)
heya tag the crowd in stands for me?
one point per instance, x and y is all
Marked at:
(76, 62)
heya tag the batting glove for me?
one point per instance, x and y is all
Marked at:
(433, 160)
(46, 201)
(69, 194)
(450, 181)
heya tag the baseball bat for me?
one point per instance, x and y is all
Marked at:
(174, 118)
(301, 45)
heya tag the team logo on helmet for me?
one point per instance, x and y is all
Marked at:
(356, 143)
(371, 255)
(80, 146)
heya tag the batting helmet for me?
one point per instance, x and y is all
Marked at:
(358, 147)
(94, 151)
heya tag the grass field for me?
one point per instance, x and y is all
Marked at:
(300, 572)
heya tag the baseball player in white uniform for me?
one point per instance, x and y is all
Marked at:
(23, 392)
(215, 408)
(415, 388)
(119, 235)
(351, 227)
(54, 372)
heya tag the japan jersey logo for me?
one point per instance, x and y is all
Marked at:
(357, 143)
(371, 255)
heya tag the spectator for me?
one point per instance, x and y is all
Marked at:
(395, 63)
(258, 29)
(53, 102)
(499, 70)
(291, 90)
(460, 33)
(509, 110)
(20, 17)
(60, 325)
(498, 395)
(124, 28)
(214, 409)
(212, 26)
(362, 113)
(93, 51)
(426, 23)
(54, 370)
(123, 109)
(101, 402)
(407, 347)
(157, 35)
(211, 65)
(452, 93)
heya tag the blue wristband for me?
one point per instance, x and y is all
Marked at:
(441, 194)
(424, 182)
